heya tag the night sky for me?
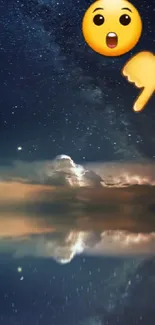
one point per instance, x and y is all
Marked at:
(60, 97)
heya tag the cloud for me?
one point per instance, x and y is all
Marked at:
(60, 209)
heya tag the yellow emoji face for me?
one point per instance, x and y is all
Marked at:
(112, 27)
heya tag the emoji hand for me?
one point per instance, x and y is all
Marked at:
(141, 71)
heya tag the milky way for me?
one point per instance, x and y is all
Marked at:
(62, 93)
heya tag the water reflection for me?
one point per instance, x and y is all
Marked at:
(59, 209)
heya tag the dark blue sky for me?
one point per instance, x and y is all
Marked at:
(58, 96)
(86, 291)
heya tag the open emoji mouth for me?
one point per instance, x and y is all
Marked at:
(111, 40)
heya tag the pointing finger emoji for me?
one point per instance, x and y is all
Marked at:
(141, 70)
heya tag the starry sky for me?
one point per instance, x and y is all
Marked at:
(88, 291)
(60, 97)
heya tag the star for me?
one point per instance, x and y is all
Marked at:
(19, 269)
(19, 148)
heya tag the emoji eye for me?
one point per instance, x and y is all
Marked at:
(125, 20)
(98, 20)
